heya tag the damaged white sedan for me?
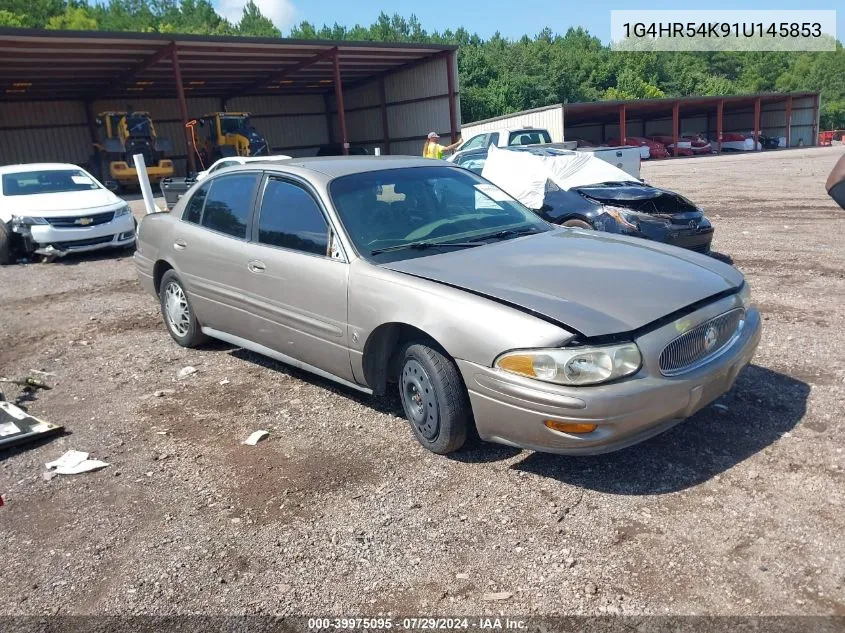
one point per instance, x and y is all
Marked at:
(54, 209)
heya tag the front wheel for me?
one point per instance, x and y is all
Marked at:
(178, 313)
(433, 397)
(5, 245)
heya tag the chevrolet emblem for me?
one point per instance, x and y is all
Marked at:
(84, 221)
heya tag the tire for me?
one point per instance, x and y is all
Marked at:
(433, 398)
(182, 325)
(5, 245)
(577, 224)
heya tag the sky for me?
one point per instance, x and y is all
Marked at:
(485, 17)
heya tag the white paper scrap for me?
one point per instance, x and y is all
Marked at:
(74, 463)
(256, 437)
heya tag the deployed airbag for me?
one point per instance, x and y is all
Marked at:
(523, 175)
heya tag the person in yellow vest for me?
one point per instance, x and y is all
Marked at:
(433, 149)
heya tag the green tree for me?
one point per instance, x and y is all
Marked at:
(74, 18)
(256, 24)
(7, 18)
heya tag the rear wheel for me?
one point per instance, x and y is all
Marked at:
(433, 397)
(178, 313)
(5, 245)
(578, 224)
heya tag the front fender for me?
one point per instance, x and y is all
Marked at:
(467, 326)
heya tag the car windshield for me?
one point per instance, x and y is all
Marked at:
(389, 214)
(26, 183)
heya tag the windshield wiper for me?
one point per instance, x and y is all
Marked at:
(503, 234)
(421, 246)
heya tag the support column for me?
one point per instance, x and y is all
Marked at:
(384, 124)
(338, 98)
(91, 118)
(623, 132)
(720, 113)
(756, 122)
(329, 117)
(816, 120)
(676, 122)
(450, 82)
(788, 118)
(183, 108)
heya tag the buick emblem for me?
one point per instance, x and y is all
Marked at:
(711, 335)
(84, 221)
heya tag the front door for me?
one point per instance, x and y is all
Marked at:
(299, 287)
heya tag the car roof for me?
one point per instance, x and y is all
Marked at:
(15, 169)
(336, 166)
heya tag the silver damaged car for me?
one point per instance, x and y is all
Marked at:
(404, 273)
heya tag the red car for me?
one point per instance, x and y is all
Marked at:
(656, 149)
(684, 146)
(700, 145)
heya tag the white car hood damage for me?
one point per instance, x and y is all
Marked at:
(52, 205)
(523, 175)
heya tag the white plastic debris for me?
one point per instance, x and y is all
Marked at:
(256, 437)
(185, 372)
(224, 382)
(74, 463)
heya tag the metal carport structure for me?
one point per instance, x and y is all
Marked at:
(793, 115)
(301, 93)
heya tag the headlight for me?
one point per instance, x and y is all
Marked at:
(124, 210)
(625, 218)
(745, 296)
(26, 220)
(576, 366)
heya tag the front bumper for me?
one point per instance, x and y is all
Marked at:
(510, 409)
(696, 239)
(58, 242)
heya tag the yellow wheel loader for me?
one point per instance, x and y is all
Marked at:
(121, 135)
(228, 134)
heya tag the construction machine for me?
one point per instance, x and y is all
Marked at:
(121, 135)
(227, 134)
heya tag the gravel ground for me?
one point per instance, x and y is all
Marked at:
(737, 511)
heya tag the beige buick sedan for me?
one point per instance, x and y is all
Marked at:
(404, 273)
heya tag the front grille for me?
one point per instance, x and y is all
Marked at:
(69, 246)
(700, 248)
(81, 221)
(691, 349)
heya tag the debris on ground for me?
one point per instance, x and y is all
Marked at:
(164, 392)
(27, 381)
(185, 372)
(18, 427)
(255, 438)
(74, 463)
(496, 596)
(224, 382)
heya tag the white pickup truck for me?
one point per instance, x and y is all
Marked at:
(626, 158)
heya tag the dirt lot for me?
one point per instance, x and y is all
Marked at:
(737, 511)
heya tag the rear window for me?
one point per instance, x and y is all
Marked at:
(229, 203)
(27, 183)
(529, 137)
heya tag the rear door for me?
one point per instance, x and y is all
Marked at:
(299, 278)
(211, 251)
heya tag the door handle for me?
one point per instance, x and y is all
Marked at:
(256, 266)
(180, 244)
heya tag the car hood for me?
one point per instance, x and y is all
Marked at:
(61, 204)
(595, 283)
(642, 198)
